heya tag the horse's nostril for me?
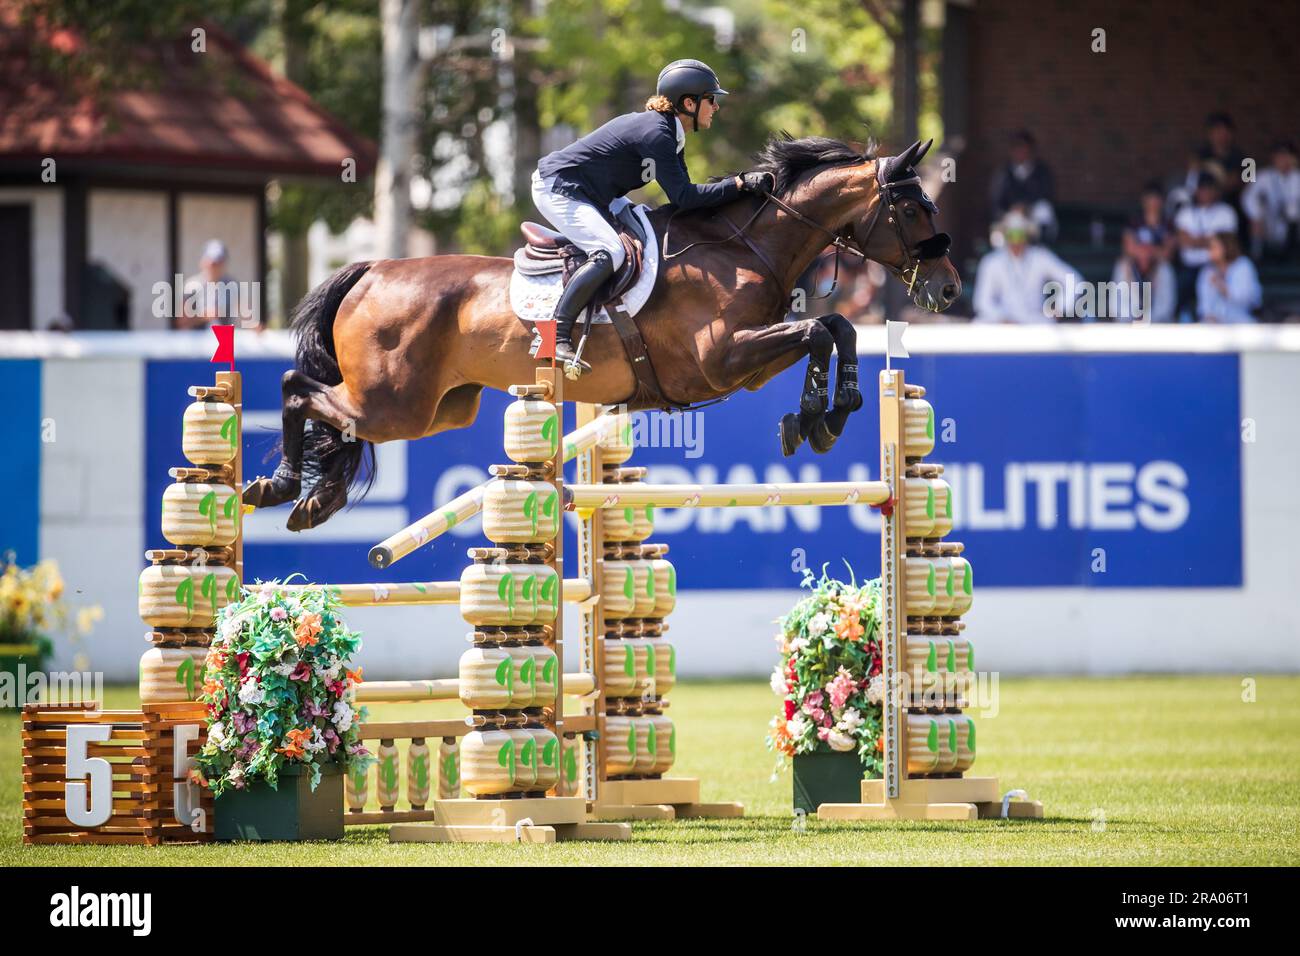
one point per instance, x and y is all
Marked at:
(949, 292)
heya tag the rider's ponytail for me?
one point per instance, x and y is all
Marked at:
(660, 104)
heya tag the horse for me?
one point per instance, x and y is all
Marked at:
(402, 348)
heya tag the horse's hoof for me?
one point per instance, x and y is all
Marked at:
(300, 518)
(788, 429)
(822, 438)
(314, 510)
(266, 493)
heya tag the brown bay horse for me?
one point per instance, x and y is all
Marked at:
(402, 348)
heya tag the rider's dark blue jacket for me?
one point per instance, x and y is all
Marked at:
(610, 161)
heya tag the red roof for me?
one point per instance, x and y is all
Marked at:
(222, 109)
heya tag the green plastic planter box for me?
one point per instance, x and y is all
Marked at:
(826, 776)
(293, 812)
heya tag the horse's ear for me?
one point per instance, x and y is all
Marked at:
(905, 160)
(921, 150)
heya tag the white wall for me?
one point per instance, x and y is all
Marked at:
(92, 476)
(127, 232)
(232, 219)
(47, 249)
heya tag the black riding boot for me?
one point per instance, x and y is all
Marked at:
(582, 286)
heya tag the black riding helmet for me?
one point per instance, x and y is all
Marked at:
(683, 78)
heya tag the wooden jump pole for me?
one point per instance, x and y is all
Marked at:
(464, 506)
(447, 688)
(409, 593)
(784, 494)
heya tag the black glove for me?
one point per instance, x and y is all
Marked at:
(757, 182)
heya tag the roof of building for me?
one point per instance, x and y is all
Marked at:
(223, 109)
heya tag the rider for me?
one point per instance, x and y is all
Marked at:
(573, 186)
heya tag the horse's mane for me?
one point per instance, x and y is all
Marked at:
(787, 158)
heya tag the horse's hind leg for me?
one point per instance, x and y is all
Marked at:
(848, 398)
(304, 399)
(339, 459)
(286, 482)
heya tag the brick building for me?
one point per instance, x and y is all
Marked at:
(1108, 122)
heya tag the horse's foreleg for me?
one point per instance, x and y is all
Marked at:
(781, 345)
(848, 398)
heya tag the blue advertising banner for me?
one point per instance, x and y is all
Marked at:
(1067, 470)
(20, 464)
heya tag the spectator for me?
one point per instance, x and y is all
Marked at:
(1272, 204)
(1227, 289)
(1206, 216)
(1025, 183)
(1151, 216)
(213, 296)
(1181, 187)
(1012, 282)
(1145, 288)
(1220, 150)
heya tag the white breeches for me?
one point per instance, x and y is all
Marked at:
(581, 222)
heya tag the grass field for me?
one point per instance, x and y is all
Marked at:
(1155, 771)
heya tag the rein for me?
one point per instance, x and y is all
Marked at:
(933, 247)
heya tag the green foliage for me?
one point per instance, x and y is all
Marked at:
(486, 223)
(828, 678)
(812, 67)
(277, 688)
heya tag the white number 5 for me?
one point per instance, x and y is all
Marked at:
(95, 811)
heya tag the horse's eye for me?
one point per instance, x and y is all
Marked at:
(909, 212)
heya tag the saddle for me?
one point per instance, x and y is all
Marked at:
(546, 251)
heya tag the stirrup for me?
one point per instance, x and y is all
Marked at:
(574, 367)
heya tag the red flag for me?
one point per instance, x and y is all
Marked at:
(546, 350)
(226, 344)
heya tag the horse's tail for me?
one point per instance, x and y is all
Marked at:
(324, 450)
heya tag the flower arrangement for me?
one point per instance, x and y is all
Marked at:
(32, 608)
(277, 689)
(829, 678)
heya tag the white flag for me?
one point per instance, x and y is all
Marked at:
(894, 334)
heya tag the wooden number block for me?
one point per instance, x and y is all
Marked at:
(175, 732)
(112, 776)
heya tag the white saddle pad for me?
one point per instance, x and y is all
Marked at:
(533, 297)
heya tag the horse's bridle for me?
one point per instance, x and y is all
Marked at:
(932, 247)
(929, 248)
